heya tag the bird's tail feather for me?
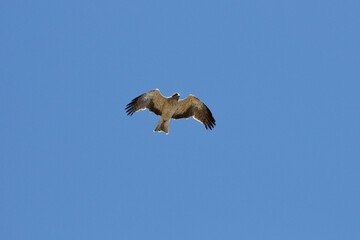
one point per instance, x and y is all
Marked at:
(163, 126)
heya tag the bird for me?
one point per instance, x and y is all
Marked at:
(171, 107)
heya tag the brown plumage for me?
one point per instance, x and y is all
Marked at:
(171, 107)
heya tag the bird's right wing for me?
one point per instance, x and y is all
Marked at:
(152, 100)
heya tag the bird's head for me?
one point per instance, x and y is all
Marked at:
(176, 96)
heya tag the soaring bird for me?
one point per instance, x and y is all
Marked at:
(171, 107)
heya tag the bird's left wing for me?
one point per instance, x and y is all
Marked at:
(193, 107)
(152, 100)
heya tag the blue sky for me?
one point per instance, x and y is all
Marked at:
(280, 77)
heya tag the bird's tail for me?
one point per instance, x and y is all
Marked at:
(163, 126)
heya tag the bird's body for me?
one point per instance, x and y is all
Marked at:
(171, 107)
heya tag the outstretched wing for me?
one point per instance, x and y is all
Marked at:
(152, 100)
(193, 107)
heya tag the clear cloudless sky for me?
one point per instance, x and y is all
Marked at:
(282, 79)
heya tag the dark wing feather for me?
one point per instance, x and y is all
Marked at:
(152, 100)
(193, 107)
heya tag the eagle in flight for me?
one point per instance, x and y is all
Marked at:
(171, 107)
